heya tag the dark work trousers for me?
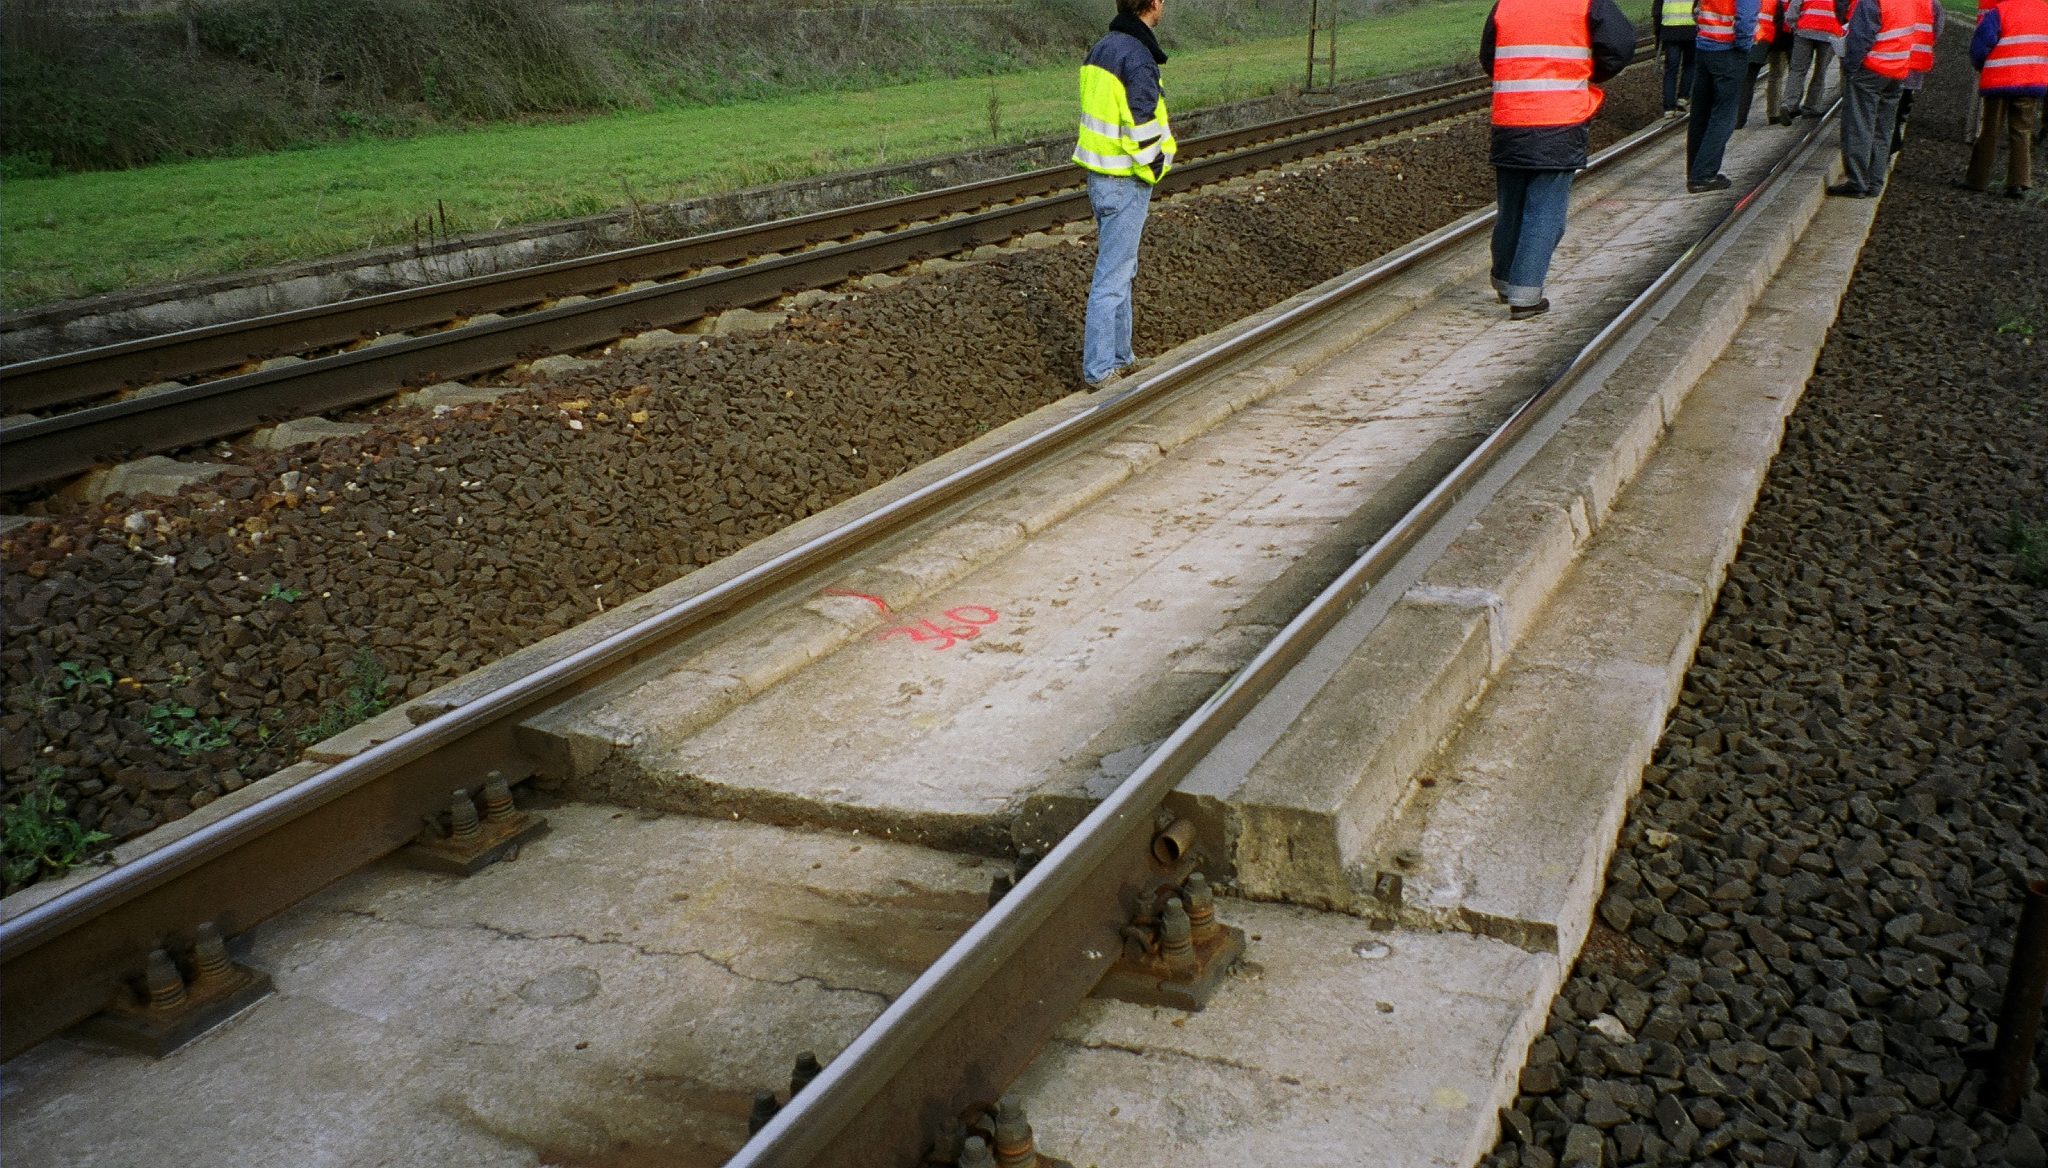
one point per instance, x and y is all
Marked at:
(1899, 122)
(1716, 96)
(2014, 120)
(1678, 67)
(1869, 103)
(1771, 58)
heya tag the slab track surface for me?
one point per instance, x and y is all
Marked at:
(810, 817)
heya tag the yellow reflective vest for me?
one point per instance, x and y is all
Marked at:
(1111, 141)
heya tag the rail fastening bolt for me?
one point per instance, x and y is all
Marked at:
(497, 798)
(1201, 908)
(462, 822)
(210, 955)
(161, 979)
(1176, 940)
(1015, 1147)
(764, 1110)
(975, 1154)
(807, 1068)
(999, 886)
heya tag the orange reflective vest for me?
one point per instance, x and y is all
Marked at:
(1901, 25)
(1766, 21)
(1543, 63)
(2020, 58)
(1818, 16)
(1924, 36)
(1717, 22)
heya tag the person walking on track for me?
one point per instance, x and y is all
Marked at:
(1878, 50)
(2010, 52)
(1547, 58)
(1816, 42)
(1675, 32)
(1727, 34)
(1126, 146)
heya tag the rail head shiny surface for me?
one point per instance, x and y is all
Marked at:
(807, 1131)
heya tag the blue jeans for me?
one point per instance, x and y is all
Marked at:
(1531, 221)
(1677, 72)
(1717, 93)
(1120, 205)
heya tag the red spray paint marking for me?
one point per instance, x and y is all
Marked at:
(962, 624)
(880, 604)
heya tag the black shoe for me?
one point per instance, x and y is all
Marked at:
(1960, 185)
(2016, 192)
(1525, 311)
(1719, 182)
(1846, 191)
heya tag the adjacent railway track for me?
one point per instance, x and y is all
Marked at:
(462, 329)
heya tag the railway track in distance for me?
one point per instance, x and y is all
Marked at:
(68, 415)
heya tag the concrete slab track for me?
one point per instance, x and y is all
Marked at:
(1426, 824)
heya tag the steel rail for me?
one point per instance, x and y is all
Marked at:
(68, 378)
(44, 449)
(64, 957)
(972, 1022)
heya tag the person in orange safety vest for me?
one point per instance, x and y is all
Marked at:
(1547, 59)
(2010, 52)
(1877, 56)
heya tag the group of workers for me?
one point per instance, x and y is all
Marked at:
(1548, 59)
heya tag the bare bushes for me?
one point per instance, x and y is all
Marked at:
(468, 59)
(131, 82)
(237, 76)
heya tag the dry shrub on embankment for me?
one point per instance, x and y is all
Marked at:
(100, 84)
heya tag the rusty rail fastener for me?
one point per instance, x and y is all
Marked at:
(473, 841)
(167, 1009)
(2019, 1018)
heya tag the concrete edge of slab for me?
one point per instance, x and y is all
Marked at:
(1502, 570)
(1649, 552)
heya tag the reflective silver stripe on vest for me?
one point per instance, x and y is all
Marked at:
(2003, 62)
(1539, 86)
(2032, 38)
(1087, 157)
(1147, 132)
(1561, 52)
(1101, 127)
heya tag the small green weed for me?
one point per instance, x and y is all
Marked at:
(75, 676)
(179, 730)
(2013, 324)
(38, 838)
(2028, 542)
(287, 595)
(364, 700)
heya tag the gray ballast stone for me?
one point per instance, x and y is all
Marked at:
(300, 431)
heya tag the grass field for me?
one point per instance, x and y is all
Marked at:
(77, 234)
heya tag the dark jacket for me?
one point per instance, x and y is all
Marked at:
(1131, 52)
(1562, 147)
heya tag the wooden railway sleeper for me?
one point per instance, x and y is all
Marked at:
(173, 1003)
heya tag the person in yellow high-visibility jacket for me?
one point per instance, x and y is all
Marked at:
(1127, 147)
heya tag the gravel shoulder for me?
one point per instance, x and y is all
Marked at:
(1808, 923)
